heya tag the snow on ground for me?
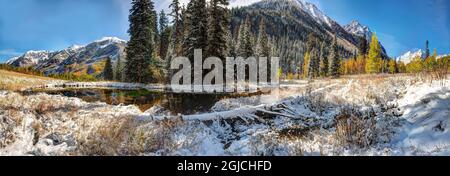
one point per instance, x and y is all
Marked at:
(90, 85)
(426, 109)
(369, 115)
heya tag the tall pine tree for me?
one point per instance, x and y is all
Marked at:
(177, 34)
(263, 48)
(196, 36)
(245, 39)
(362, 46)
(164, 34)
(118, 71)
(335, 61)
(231, 45)
(108, 71)
(313, 68)
(217, 29)
(427, 49)
(140, 47)
(324, 61)
(154, 24)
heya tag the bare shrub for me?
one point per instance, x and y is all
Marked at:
(44, 107)
(355, 129)
(7, 133)
(262, 144)
(37, 131)
(317, 103)
(154, 137)
(125, 136)
(108, 138)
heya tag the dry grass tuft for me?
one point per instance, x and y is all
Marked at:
(355, 129)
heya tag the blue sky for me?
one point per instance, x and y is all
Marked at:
(401, 25)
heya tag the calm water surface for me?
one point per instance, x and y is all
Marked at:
(183, 103)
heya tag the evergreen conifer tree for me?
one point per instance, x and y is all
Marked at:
(164, 34)
(245, 39)
(324, 61)
(427, 49)
(141, 44)
(335, 61)
(118, 71)
(263, 48)
(362, 46)
(177, 34)
(217, 29)
(108, 71)
(196, 36)
(231, 45)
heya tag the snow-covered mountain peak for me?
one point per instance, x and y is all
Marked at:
(242, 3)
(56, 62)
(75, 47)
(107, 41)
(358, 29)
(441, 56)
(308, 7)
(315, 12)
(38, 52)
(37, 56)
(110, 39)
(11, 60)
(410, 55)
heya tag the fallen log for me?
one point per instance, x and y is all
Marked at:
(249, 112)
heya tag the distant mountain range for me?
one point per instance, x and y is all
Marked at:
(298, 18)
(292, 19)
(81, 59)
(360, 30)
(410, 55)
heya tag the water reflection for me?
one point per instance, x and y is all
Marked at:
(183, 103)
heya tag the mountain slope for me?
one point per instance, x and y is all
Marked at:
(410, 55)
(360, 30)
(75, 59)
(306, 14)
(288, 23)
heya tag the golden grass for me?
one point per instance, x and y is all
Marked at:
(18, 81)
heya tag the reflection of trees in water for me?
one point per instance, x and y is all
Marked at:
(107, 94)
(183, 103)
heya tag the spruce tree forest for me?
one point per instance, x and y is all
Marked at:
(156, 37)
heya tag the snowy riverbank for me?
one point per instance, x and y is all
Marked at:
(351, 116)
